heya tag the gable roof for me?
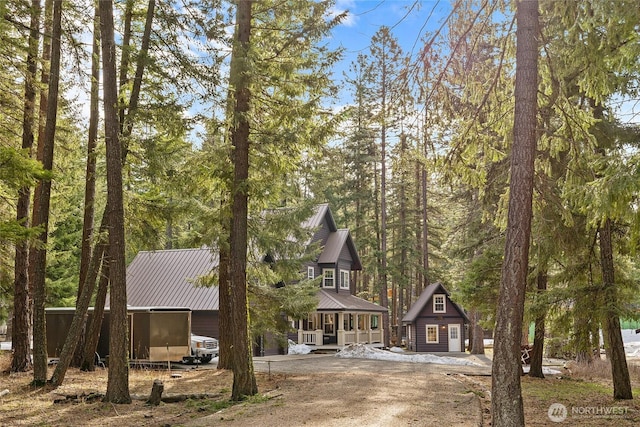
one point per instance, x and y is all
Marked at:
(334, 301)
(322, 212)
(424, 298)
(334, 245)
(165, 278)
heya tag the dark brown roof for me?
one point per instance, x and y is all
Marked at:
(166, 278)
(330, 300)
(424, 298)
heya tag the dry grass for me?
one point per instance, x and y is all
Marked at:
(581, 388)
(576, 387)
(25, 405)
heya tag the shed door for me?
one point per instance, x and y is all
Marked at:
(454, 338)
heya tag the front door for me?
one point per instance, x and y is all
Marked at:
(454, 338)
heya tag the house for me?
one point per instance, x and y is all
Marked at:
(166, 279)
(435, 323)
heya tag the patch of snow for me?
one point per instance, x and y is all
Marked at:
(298, 348)
(396, 350)
(632, 349)
(545, 370)
(360, 351)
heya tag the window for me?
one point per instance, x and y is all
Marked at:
(308, 324)
(453, 333)
(432, 334)
(311, 273)
(438, 304)
(344, 279)
(328, 274)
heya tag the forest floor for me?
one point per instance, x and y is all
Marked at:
(316, 390)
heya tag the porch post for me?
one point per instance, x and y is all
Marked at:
(341, 328)
(357, 328)
(369, 330)
(300, 336)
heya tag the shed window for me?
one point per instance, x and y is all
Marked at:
(439, 304)
(432, 334)
(328, 274)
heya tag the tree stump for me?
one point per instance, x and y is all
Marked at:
(156, 393)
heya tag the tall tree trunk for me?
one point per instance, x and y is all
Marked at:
(95, 326)
(125, 54)
(535, 369)
(404, 238)
(20, 342)
(225, 359)
(384, 297)
(612, 333)
(506, 392)
(244, 381)
(118, 379)
(42, 217)
(90, 175)
(477, 333)
(425, 214)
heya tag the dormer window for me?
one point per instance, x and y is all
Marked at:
(328, 278)
(439, 304)
(344, 279)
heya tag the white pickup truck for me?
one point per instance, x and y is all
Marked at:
(203, 349)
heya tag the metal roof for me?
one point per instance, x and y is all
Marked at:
(333, 301)
(335, 242)
(315, 220)
(166, 278)
(424, 298)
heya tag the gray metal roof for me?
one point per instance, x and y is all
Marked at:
(166, 278)
(315, 220)
(332, 301)
(335, 242)
(424, 298)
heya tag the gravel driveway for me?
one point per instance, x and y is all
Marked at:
(326, 391)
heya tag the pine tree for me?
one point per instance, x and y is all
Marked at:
(506, 401)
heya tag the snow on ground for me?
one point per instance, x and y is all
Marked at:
(298, 348)
(360, 351)
(545, 370)
(632, 349)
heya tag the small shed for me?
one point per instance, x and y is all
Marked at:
(435, 323)
(156, 334)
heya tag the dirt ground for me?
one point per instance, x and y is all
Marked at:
(309, 390)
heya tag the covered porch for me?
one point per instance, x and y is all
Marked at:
(341, 320)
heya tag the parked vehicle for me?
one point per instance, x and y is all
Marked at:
(203, 349)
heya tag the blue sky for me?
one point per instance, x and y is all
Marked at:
(409, 20)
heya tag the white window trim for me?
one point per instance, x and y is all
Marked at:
(325, 278)
(311, 272)
(437, 341)
(344, 285)
(444, 303)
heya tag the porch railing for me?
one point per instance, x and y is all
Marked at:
(310, 337)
